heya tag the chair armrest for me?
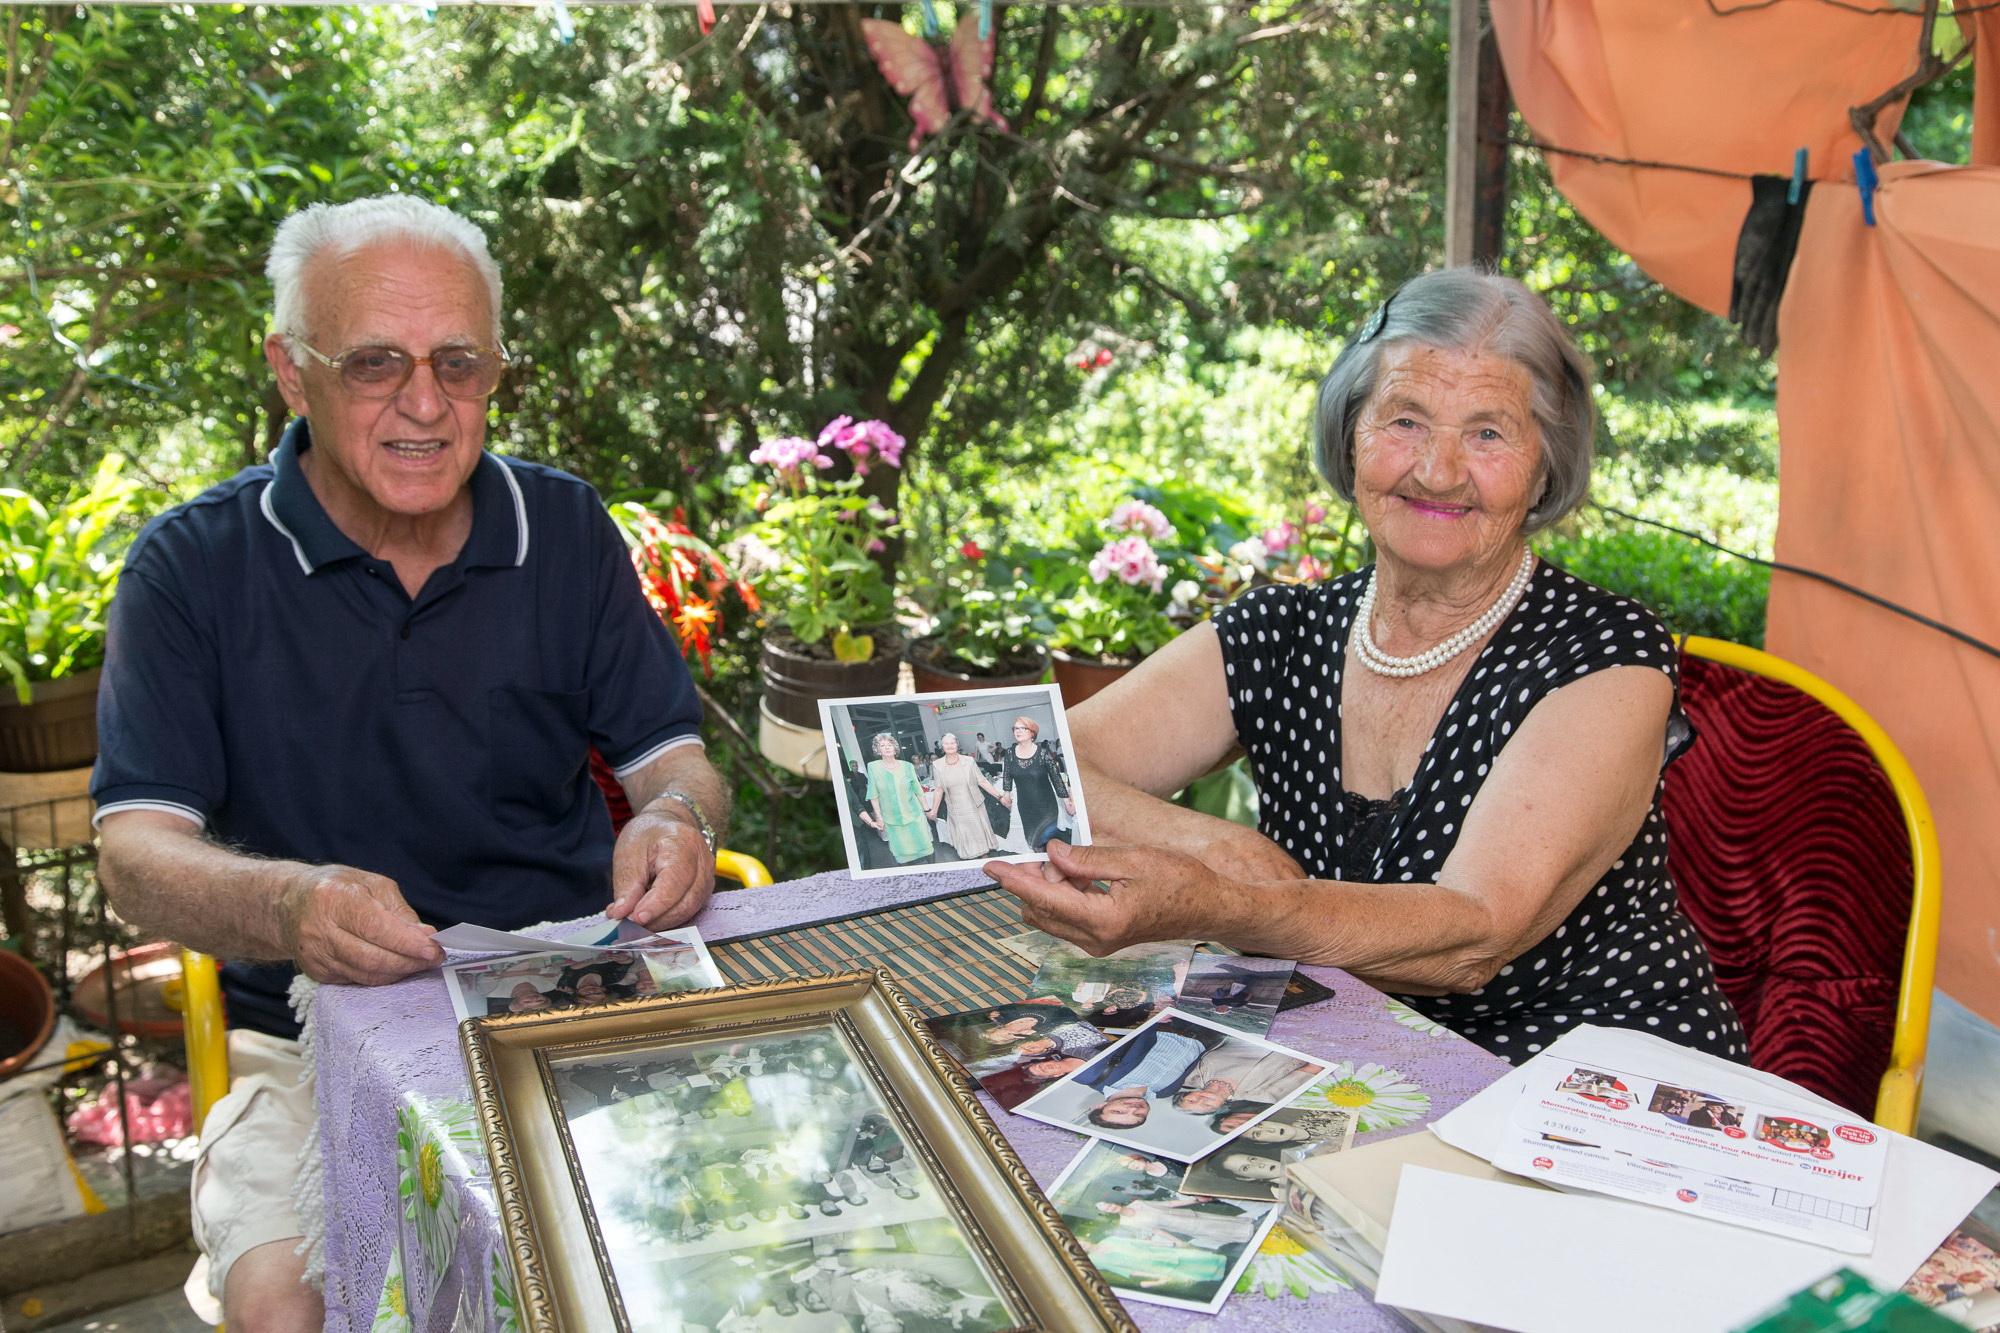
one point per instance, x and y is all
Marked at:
(745, 870)
(1897, 1099)
(203, 1031)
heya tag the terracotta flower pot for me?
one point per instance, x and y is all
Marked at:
(932, 678)
(27, 1012)
(795, 680)
(55, 729)
(1081, 677)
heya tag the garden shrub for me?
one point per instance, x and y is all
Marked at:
(1695, 590)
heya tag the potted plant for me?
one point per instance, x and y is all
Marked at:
(1122, 608)
(1287, 552)
(58, 567)
(986, 630)
(815, 542)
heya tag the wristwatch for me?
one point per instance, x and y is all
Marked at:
(701, 823)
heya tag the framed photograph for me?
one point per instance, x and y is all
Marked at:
(1151, 1241)
(953, 780)
(772, 1155)
(522, 983)
(1180, 1087)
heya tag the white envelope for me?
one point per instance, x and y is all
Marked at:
(1530, 1259)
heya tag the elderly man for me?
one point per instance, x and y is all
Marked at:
(349, 697)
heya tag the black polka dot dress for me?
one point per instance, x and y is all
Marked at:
(1626, 956)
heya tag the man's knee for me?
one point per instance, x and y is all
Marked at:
(266, 1292)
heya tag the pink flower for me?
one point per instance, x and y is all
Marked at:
(865, 442)
(1315, 513)
(1282, 537)
(1310, 568)
(877, 546)
(1138, 516)
(1131, 560)
(789, 454)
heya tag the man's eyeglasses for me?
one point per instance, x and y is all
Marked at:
(381, 372)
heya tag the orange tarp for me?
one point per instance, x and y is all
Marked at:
(1888, 356)
(1672, 81)
(1889, 478)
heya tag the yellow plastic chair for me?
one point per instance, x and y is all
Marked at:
(201, 1001)
(1901, 1088)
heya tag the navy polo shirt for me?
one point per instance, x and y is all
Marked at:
(270, 680)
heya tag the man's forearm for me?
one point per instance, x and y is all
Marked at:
(685, 768)
(162, 876)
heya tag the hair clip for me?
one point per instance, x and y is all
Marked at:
(1373, 328)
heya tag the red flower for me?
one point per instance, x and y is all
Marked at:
(1103, 357)
(971, 551)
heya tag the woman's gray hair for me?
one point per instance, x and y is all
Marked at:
(875, 741)
(341, 229)
(1470, 310)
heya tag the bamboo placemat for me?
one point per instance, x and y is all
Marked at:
(944, 951)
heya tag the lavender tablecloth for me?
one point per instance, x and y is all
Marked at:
(412, 1235)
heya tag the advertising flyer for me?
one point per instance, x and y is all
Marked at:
(1790, 1170)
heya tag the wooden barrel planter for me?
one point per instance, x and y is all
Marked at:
(54, 730)
(795, 679)
(1027, 667)
(1081, 677)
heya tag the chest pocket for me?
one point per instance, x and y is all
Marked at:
(537, 744)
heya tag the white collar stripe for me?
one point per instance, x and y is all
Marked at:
(264, 506)
(520, 514)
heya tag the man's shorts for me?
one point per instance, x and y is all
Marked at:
(243, 1174)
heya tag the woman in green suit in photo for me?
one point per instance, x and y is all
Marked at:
(902, 812)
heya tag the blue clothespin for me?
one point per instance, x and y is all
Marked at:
(565, 29)
(1798, 178)
(1865, 180)
(985, 19)
(928, 11)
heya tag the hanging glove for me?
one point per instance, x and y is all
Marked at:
(1764, 250)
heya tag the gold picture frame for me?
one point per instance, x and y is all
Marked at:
(872, 1175)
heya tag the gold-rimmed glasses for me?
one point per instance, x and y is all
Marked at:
(381, 371)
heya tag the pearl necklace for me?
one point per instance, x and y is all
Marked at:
(1432, 658)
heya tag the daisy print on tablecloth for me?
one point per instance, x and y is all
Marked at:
(1283, 1267)
(500, 1279)
(392, 1307)
(1379, 1097)
(1413, 1020)
(431, 1139)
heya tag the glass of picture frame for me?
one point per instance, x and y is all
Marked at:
(781, 1154)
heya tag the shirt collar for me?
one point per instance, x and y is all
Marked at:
(499, 513)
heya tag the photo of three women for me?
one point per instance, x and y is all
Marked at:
(931, 793)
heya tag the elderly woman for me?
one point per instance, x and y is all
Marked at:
(898, 807)
(1457, 751)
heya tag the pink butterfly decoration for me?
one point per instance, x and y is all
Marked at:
(936, 82)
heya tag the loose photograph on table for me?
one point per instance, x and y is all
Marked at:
(1180, 1088)
(530, 983)
(1150, 1241)
(1119, 992)
(1237, 992)
(952, 780)
(763, 1183)
(1252, 1166)
(1014, 1050)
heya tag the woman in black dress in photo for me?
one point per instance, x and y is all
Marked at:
(1033, 776)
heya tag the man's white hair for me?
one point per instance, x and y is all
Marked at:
(341, 229)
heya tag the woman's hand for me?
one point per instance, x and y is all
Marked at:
(1147, 894)
(1069, 805)
(1008, 800)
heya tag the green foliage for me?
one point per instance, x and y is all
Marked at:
(58, 566)
(984, 617)
(145, 159)
(817, 573)
(1695, 590)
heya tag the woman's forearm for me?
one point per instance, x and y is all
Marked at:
(1414, 938)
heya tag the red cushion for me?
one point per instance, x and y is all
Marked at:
(614, 794)
(1792, 860)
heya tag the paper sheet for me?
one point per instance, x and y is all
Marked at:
(1612, 1252)
(468, 938)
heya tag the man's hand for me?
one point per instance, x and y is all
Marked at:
(662, 872)
(350, 927)
(1147, 894)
